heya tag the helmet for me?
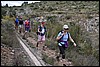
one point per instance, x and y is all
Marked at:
(65, 26)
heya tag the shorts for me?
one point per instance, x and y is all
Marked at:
(27, 29)
(20, 26)
(41, 38)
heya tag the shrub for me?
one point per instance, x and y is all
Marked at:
(9, 35)
(48, 60)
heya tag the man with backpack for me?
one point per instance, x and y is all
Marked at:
(41, 35)
(21, 24)
(62, 38)
(16, 23)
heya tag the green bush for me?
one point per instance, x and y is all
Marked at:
(51, 44)
(49, 60)
(9, 37)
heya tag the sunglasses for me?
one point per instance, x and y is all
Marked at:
(66, 29)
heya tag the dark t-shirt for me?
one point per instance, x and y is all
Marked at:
(20, 22)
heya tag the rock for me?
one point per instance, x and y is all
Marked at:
(69, 63)
(13, 50)
(11, 53)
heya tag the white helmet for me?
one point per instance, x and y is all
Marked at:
(65, 26)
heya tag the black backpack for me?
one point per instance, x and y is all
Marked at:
(40, 29)
(62, 37)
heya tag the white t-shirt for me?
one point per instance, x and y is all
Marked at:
(43, 30)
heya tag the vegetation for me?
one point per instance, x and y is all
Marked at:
(83, 50)
(49, 60)
(10, 41)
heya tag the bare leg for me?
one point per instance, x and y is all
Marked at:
(38, 43)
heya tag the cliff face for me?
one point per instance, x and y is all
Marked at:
(91, 26)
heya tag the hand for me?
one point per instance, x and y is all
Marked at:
(64, 33)
(75, 44)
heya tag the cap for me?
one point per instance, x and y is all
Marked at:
(65, 26)
(43, 22)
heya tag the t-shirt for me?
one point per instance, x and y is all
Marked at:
(65, 38)
(43, 30)
(20, 22)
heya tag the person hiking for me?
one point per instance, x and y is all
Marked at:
(26, 28)
(62, 38)
(30, 25)
(21, 24)
(41, 35)
(16, 23)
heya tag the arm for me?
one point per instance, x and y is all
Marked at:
(72, 40)
(59, 36)
(38, 30)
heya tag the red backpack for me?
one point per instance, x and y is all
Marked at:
(27, 23)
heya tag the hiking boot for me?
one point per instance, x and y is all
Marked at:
(64, 64)
(20, 31)
(57, 58)
(23, 37)
(44, 48)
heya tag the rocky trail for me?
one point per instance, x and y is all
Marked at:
(48, 52)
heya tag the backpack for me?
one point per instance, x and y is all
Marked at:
(27, 24)
(16, 21)
(62, 37)
(40, 29)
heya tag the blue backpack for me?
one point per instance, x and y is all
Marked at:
(16, 21)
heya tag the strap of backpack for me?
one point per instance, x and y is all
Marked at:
(68, 36)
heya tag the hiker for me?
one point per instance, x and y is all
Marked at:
(62, 38)
(30, 25)
(41, 35)
(16, 23)
(26, 28)
(21, 24)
